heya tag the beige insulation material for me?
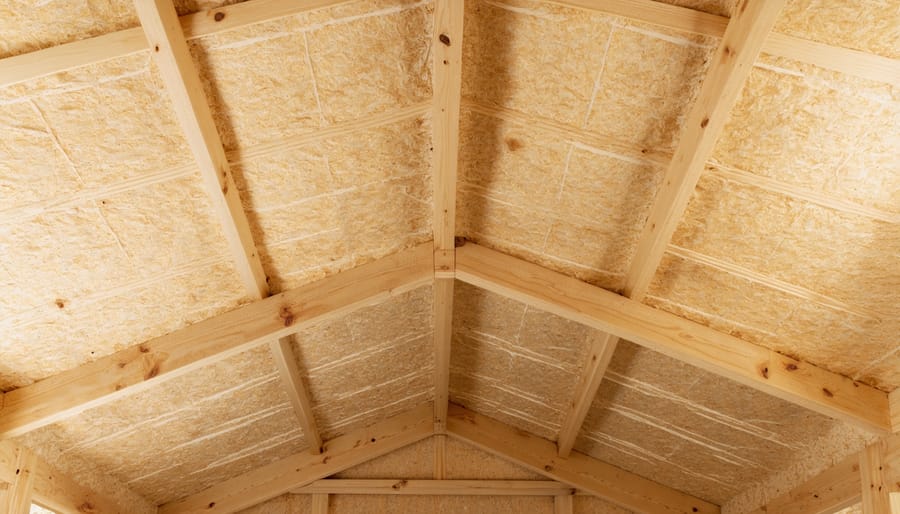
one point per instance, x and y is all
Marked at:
(512, 362)
(465, 462)
(806, 280)
(818, 130)
(839, 442)
(565, 205)
(839, 24)
(375, 363)
(294, 75)
(364, 195)
(691, 430)
(165, 444)
(415, 461)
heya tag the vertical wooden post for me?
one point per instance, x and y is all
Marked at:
(320, 503)
(18, 495)
(440, 456)
(875, 492)
(563, 504)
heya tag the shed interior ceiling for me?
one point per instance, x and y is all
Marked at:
(568, 121)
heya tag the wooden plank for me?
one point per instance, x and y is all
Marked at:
(286, 362)
(795, 381)
(300, 469)
(730, 68)
(320, 503)
(895, 410)
(33, 65)
(875, 489)
(18, 495)
(440, 456)
(563, 504)
(578, 470)
(447, 84)
(443, 333)
(394, 487)
(202, 343)
(54, 490)
(176, 67)
(595, 367)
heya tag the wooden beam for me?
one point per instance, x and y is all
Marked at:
(792, 380)
(211, 340)
(18, 495)
(563, 504)
(176, 67)
(447, 85)
(300, 469)
(724, 81)
(598, 360)
(52, 489)
(30, 66)
(578, 470)
(875, 488)
(895, 410)
(286, 362)
(739, 48)
(394, 487)
(320, 503)
(440, 456)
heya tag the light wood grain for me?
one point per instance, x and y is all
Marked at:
(54, 490)
(875, 488)
(792, 380)
(437, 487)
(440, 456)
(563, 504)
(443, 333)
(286, 362)
(320, 503)
(895, 410)
(730, 68)
(18, 495)
(578, 470)
(282, 476)
(217, 338)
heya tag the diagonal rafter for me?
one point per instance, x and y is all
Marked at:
(447, 84)
(739, 48)
(173, 58)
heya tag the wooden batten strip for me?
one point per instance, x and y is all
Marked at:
(280, 477)
(286, 362)
(895, 410)
(50, 488)
(757, 367)
(437, 487)
(447, 85)
(563, 504)
(320, 503)
(135, 368)
(578, 470)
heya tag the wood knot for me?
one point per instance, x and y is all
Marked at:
(445, 39)
(459, 241)
(513, 144)
(143, 349)
(548, 468)
(399, 485)
(154, 371)
(791, 367)
(827, 392)
(764, 372)
(60, 303)
(211, 505)
(86, 507)
(287, 316)
(219, 16)
(704, 123)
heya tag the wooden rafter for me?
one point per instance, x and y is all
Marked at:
(437, 487)
(169, 49)
(757, 367)
(447, 85)
(300, 469)
(578, 470)
(25, 67)
(730, 68)
(111, 377)
(50, 488)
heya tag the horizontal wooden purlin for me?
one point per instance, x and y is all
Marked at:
(135, 368)
(437, 487)
(60, 58)
(843, 60)
(302, 468)
(54, 490)
(578, 470)
(792, 380)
